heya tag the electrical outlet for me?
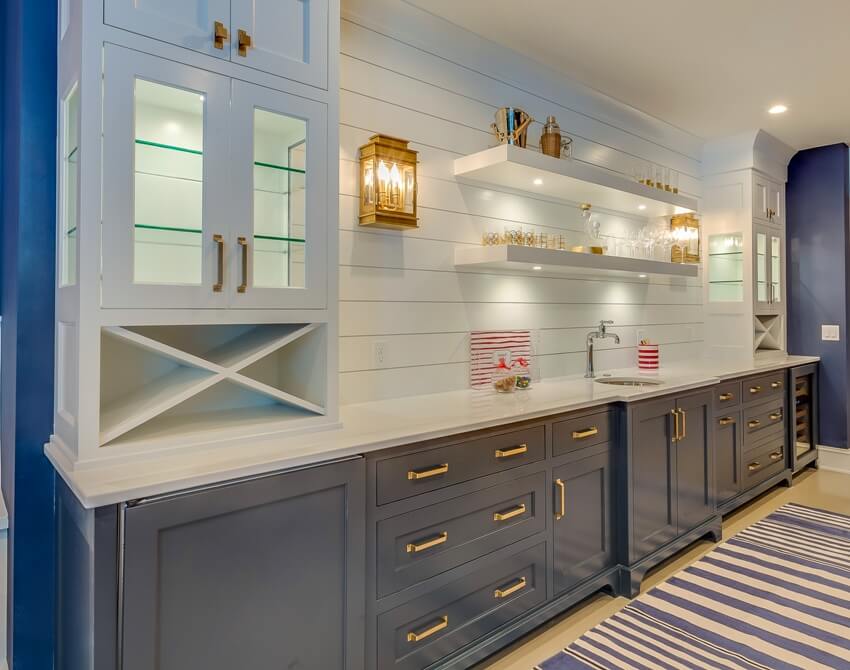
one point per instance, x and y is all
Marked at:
(829, 333)
(379, 354)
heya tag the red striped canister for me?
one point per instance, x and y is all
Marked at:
(648, 356)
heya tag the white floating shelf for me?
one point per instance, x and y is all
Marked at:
(516, 168)
(525, 259)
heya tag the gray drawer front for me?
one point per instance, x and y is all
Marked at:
(727, 396)
(582, 432)
(764, 387)
(762, 422)
(415, 546)
(461, 612)
(765, 462)
(423, 471)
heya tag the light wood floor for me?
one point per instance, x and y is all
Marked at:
(816, 488)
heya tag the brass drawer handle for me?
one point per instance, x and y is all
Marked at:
(726, 396)
(562, 488)
(428, 632)
(414, 548)
(510, 514)
(504, 593)
(675, 414)
(220, 34)
(218, 287)
(584, 434)
(755, 389)
(755, 423)
(776, 456)
(245, 42)
(726, 420)
(432, 472)
(755, 465)
(684, 424)
(776, 416)
(516, 451)
(243, 287)
(776, 385)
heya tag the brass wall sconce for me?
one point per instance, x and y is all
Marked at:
(388, 184)
(686, 243)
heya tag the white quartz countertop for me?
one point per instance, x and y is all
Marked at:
(388, 423)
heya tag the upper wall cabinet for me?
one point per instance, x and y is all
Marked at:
(215, 193)
(288, 38)
(768, 200)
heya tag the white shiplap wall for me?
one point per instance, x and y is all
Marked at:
(406, 73)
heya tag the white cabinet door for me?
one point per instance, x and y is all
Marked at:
(165, 176)
(288, 38)
(777, 272)
(761, 198)
(776, 203)
(280, 184)
(186, 23)
(761, 270)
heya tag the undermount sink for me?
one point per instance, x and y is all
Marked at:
(628, 381)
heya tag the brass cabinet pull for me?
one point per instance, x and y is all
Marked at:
(243, 287)
(414, 547)
(776, 455)
(755, 465)
(563, 495)
(516, 451)
(726, 420)
(684, 424)
(510, 514)
(675, 414)
(776, 416)
(245, 42)
(726, 396)
(587, 432)
(776, 385)
(431, 472)
(504, 593)
(755, 389)
(220, 34)
(428, 632)
(218, 287)
(755, 423)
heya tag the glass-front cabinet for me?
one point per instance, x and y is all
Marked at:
(214, 192)
(768, 270)
(69, 186)
(726, 267)
(804, 423)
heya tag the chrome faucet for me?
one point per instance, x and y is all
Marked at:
(599, 334)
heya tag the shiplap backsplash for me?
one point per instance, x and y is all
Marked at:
(402, 289)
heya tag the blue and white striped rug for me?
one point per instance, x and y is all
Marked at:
(774, 597)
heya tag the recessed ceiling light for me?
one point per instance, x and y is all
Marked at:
(538, 182)
(641, 207)
(537, 267)
(642, 276)
(777, 109)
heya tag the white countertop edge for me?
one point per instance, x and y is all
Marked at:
(110, 483)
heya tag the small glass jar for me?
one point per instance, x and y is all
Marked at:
(504, 380)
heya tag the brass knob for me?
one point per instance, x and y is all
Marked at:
(245, 42)
(220, 34)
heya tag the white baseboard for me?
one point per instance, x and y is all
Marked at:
(834, 459)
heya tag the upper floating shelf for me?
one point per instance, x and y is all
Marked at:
(567, 179)
(533, 260)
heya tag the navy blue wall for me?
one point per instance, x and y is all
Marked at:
(26, 383)
(817, 208)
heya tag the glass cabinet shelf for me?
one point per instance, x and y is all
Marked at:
(196, 152)
(726, 268)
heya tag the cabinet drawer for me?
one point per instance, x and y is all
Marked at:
(727, 395)
(419, 633)
(762, 464)
(420, 472)
(764, 387)
(417, 545)
(762, 422)
(584, 431)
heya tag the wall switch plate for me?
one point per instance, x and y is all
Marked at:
(380, 354)
(829, 333)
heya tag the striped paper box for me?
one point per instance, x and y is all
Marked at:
(487, 346)
(648, 356)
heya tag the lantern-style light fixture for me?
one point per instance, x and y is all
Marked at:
(388, 183)
(685, 232)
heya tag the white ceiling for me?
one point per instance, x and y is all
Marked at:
(711, 67)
